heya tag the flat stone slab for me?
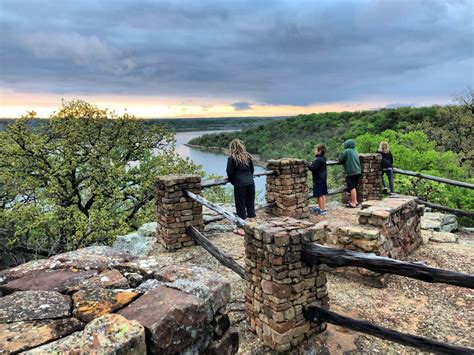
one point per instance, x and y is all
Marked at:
(109, 334)
(34, 305)
(47, 280)
(441, 237)
(90, 303)
(209, 286)
(359, 232)
(173, 319)
(107, 279)
(439, 222)
(21, 336)
(147, 266)
(90, 258)
(23, 270)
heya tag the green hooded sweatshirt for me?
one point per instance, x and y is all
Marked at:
(350, 158)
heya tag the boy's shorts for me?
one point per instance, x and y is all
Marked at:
(352, 181)
(320, 188)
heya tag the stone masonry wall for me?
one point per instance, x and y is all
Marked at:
(97, 300)
(279, 286)
(370, 184)
(287, 188)
(389, 227)
(175, 210)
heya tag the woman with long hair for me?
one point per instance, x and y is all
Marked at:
(387, 165)
(240, 173)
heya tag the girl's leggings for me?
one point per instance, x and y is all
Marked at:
(389, 173)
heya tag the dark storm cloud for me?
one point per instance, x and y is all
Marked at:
(271, 52)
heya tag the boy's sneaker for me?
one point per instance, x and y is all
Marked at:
(323, 212)
(316, 210)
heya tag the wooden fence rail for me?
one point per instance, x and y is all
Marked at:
(229, 215)
(434, 178)
(215, 252)
(317, 314)
(447, 209)
(334, 257)
(220, 217)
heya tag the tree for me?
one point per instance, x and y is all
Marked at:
(81, 177)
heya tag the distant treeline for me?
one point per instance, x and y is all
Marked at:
(185, 124)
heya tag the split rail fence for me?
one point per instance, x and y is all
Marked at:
(315, 254)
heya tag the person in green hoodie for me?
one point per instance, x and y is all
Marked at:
(350, 160)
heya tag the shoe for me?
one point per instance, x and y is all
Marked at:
(323, 212)
(316, 210)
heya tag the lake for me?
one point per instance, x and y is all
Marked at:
(212, 162)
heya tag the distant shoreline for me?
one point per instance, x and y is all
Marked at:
(257, 159)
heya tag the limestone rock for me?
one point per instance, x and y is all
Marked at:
(33, 305)
(90, 258)
(109, 334)
(200, 282)
(173, 319)
(46, 280)
(24, 335)
(147, 267)
(135, 244)
(90, 303)
(439, 222)
(106, 279)
(148, 230)
(443, 237)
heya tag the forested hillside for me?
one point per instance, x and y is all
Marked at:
(436, 140)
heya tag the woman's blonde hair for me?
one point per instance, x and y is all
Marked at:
(239, 153)
(383, 143)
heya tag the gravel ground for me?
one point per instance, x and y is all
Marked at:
(437, 311)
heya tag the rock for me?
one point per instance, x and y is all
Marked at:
(106, 279)
(133, 279)
(149, 285)
(109, 334)
(147, 266)
(23, 270)
(148, 230)
(90, 303)
(200, 282)
(90, 258)
(439, 222)
(443, 237)
(228, 345)
(173, 319)
(46, 280)
(21, 336)
(135, 244)
(34, 305)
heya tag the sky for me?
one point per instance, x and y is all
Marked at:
(203, 58)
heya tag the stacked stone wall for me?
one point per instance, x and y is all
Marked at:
(175, 210)
(288, 188)
(278, 285)
(370, 184)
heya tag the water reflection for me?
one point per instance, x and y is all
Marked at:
(212, 162)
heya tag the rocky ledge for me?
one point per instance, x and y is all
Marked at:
(100, 300)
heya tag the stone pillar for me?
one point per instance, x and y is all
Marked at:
(175, 210)
(287, 188)
(279, 285)
(370, 184)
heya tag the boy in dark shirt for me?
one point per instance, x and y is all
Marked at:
(319, 170)
(387, 166)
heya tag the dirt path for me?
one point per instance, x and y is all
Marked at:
(437, 311)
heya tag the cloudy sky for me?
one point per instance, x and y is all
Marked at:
(191, 58)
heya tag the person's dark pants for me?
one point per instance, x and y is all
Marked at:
(245, 201)
(389, 173)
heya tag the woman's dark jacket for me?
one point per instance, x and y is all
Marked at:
(387, 160)
(239, 175)
(318, 168)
